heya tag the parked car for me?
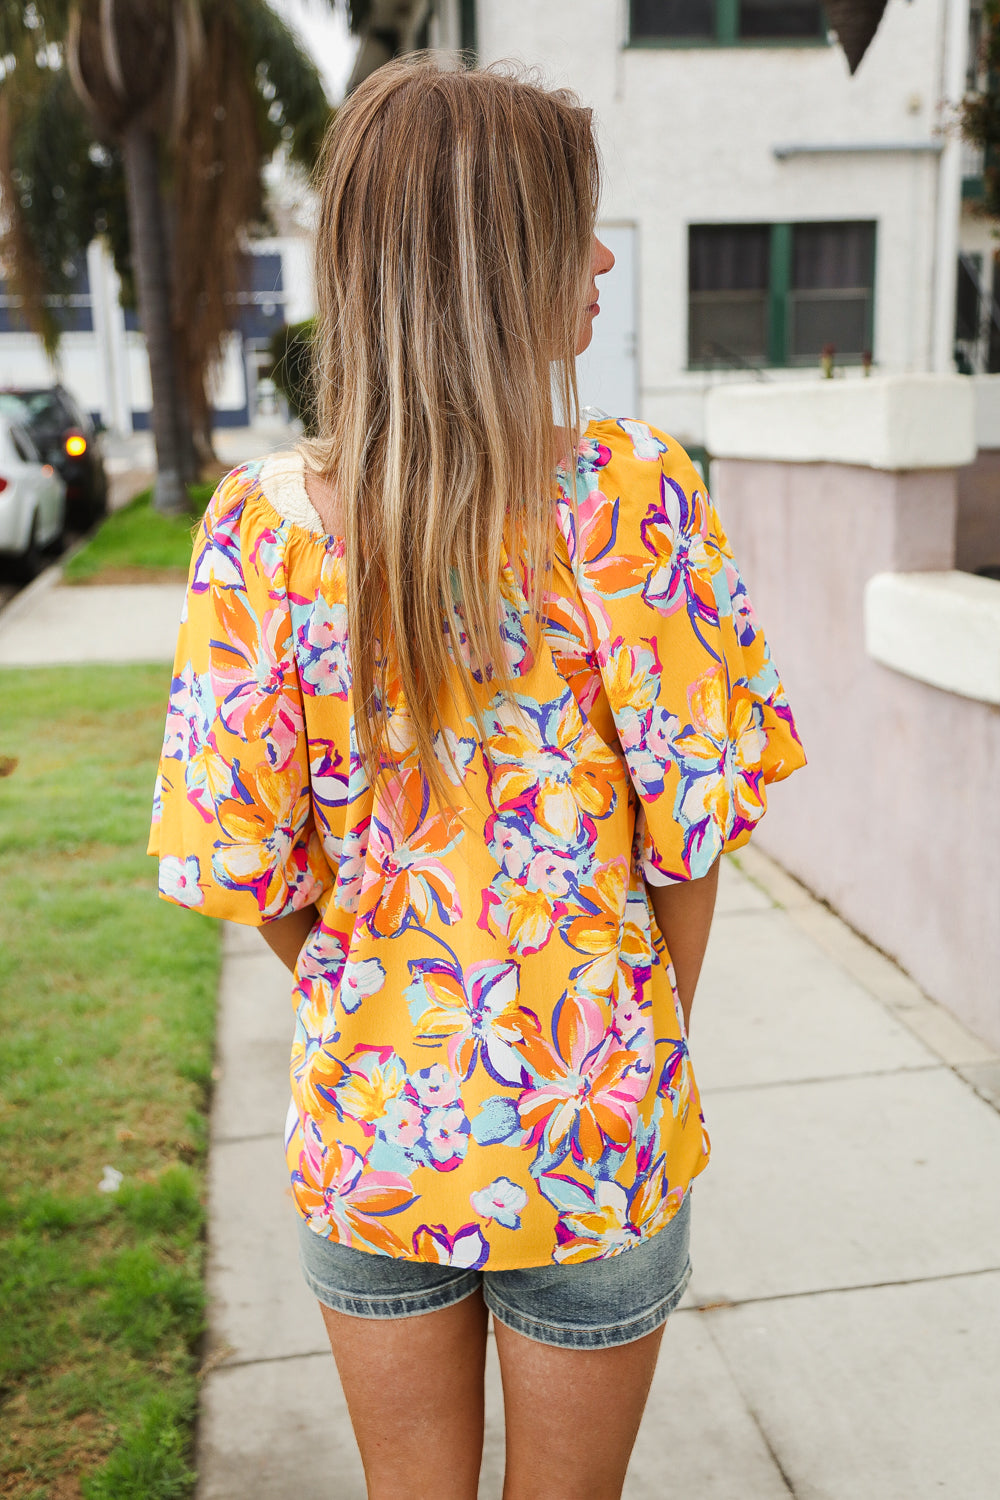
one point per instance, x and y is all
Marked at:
(32, 500)
(68, 439)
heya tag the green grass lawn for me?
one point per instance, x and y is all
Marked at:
(107, 1013)
(136, 541)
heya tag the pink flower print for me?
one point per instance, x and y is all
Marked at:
(551, 872)
(403, 1123)
(179, 880)
(631, 1019)
(325, 657)
(339, 1199)
(501, 1200)
(351, 866)
(446, 1132)
(406, 878)
(435, 1087)
(466, 1248)
(512, 849)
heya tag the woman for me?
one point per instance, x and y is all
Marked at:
(484, 835)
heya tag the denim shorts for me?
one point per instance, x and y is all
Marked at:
(594, 1305)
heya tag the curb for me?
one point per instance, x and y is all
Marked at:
(940, 1030)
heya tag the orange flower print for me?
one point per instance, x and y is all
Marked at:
(586, 1096)
(263, 850)
(406, 877)
(719, 757)
(604, 1218)
(254, 677)
(543, 757)
(343, 1202)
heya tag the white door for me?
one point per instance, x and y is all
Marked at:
(606, 373)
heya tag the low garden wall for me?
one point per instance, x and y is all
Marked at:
(890, 657)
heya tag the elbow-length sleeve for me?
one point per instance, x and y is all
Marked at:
(233, 824)
(699, 708)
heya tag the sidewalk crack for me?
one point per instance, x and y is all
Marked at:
(723, 1304)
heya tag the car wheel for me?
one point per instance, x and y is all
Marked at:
(31, 561)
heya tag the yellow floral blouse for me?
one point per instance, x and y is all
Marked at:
(489, 1066)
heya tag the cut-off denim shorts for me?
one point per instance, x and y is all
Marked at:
(595, 1305)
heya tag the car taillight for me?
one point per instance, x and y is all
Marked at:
(3, 485)
(76, 445)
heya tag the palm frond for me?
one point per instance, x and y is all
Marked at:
(60, 190)
(293, 107)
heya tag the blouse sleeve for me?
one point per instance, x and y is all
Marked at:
(700, 711)
(232, 819)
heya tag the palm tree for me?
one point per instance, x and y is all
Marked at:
(183, 103)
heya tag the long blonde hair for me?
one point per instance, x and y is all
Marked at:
(457, 210)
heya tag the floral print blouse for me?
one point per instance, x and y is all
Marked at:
(489, 1066)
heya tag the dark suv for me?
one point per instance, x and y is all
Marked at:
(67, 439)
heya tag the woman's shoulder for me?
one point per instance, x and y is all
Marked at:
(629, 443)
(635, 471)
(265, 494)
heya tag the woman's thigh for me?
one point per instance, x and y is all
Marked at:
(578, 1347)
(414, 1389)
(571, 1415)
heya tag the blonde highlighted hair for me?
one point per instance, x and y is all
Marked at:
(457, 210)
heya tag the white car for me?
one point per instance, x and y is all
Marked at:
(32, 500)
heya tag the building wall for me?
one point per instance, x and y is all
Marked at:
(894, 821)
(688, 136)
(107, 370)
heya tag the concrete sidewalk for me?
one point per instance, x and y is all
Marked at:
(839, 1338)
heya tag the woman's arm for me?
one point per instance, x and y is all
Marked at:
(684, 916)
(285, 936)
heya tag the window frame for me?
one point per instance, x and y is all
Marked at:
(780, 296)
(727, 13)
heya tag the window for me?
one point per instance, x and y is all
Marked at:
(23, 446)
(779, 294)
(72, 312)
(830, 296)
(728, 280)
(262, 300)
(468, 38)
(725, 22)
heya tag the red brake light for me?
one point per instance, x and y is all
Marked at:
(3, 485)
(76, 444)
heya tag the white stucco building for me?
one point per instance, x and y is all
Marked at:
(102, 355)
(761, 201)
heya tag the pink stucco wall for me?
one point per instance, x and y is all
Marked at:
(896, 820)
(977, 542)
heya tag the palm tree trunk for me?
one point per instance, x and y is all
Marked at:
(148, 233)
